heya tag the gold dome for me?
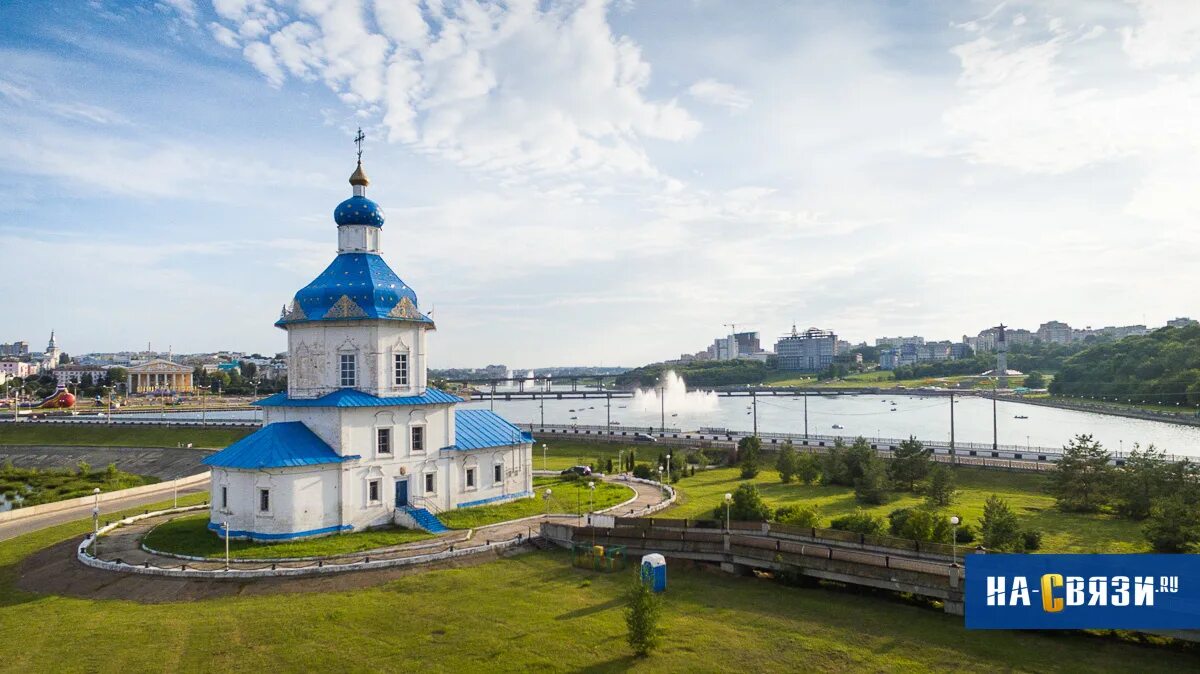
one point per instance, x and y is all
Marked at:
(359, 177)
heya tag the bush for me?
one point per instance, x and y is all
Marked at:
(859, 522)
(799, 516)
(965, 534)
(749, 470)
(1031, 539)
(919, 524)
(643, 471)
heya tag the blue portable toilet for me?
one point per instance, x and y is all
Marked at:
(654, 572)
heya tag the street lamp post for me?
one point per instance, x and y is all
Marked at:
(668, 467)
(225, 528)
(954, 539)
(728, 501)
(95, 520)
(544, 456)
(546, 498)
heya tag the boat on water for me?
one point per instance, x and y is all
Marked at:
(893, 409)
(1020, 416)
(839, 426)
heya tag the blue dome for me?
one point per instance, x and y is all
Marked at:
(355, 286)
(358, 211)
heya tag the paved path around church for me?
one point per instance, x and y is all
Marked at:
(55, 569)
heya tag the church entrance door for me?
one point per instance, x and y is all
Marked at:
(401, 493)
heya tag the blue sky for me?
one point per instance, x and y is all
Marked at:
(599, 182)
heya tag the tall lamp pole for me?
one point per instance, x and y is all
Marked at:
(662, 404)
(95, 520)
(544, 457)
(805, 415)
(954, 539)
(951, 427)
(728, 500)
(225, 528)
(754, 403)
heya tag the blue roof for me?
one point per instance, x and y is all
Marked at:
(282, 445)
(355, 286)
(348, 397)
(477, 429)
(358, 211)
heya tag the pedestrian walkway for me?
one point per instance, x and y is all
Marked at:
(125, 543)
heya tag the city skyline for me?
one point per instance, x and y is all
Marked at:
(173, 168)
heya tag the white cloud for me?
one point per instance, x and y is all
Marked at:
(1169, 33)
(223, 35)
(519, 88)
(719, 93)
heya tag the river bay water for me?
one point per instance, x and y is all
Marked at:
(871, 416)
(866, 415)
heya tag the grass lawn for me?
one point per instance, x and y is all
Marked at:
(566, 496)
(96, 435)
(189, 535)
(36, 486)
(531, 612)
(1025, 492)
(562, 453)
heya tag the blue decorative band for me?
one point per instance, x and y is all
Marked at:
(495, 499)
(257, 536)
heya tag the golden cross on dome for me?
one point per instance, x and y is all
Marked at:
(358, 141)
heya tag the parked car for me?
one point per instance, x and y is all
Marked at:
(643, 437)
(578, 470)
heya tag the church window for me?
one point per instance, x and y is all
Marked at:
(470, 478)
(418, 438)
(264, 500)
(428, 483)
(498, 472)
(402, 369)
(373, 491)
(383, 441)
(349, 370)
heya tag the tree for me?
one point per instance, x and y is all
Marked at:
(1174, 525)
(800, 516)
(1082, 479)
(1144, 478)
(858, 457)
(786, 463)
(1035, 380)
(833, 466)
(871, 486)
(999, 526)
(910, 463)
(941, 489)
(808, 468)
(749, 450)
(747, 506)
(919, 524)
(642, 610)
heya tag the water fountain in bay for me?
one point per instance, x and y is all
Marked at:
(676, 399)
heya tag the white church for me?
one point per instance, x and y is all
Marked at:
(359, 439)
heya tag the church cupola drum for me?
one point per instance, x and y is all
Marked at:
(360, 439)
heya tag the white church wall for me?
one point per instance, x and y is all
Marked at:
(301, 501)
(314, 364)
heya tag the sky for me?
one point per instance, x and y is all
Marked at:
(599, 183)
